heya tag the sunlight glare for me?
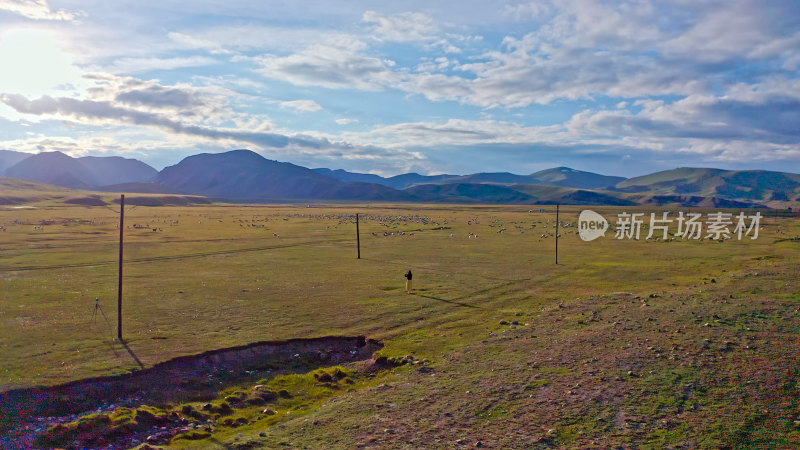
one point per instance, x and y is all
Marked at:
(32, 63)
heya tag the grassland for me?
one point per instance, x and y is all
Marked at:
(623, 343)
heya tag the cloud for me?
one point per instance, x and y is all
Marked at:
(748, 113)
(405, 27)
(127, 65)
(35, 9)
(245, 38)
(248, 132)
(740, 29)
(302, 105)
(345, 121)
(160, 97)
(339, 64)
(183, 101)
(95, 112)
(577, 50)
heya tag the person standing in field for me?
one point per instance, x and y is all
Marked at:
(408, 276)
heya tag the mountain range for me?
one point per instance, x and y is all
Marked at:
(559, 176)
(246, 176)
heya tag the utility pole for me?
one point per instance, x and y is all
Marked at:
(557, 205)
(358, 238)
(119, 288)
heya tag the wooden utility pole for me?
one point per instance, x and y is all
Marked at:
(119, 287)
(358, 238)
(557, 205)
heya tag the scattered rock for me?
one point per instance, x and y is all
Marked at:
(283, 393)
(323, 377)
(269, 412)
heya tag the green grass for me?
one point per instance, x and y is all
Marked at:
(216, 276)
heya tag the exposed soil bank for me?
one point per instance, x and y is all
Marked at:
(186, 378)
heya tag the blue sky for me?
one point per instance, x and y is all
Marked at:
(622, 88)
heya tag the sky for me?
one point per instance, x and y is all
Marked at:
(619, 87)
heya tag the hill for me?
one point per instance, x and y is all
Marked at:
(351, 177)
(407, 180)
(108, 170)
(470, 193)
(746, 185)
(564, 176)
(53, 168)
(8, 158)
(59, 169)
(558, 176)
(246, 175)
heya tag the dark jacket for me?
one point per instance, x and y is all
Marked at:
(408, 275)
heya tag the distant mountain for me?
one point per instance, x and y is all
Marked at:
(492, 178)
(470, 193)
(403, 181)
(564, 176)
(407, 180)
(243, 176)
(559, 176)
(53, 168)
(82, 173)
(351, 177)
(549, 194)
(9, 157)
(108, 170)
(246, 175)
(746, 185)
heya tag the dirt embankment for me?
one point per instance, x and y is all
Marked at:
(187, 378)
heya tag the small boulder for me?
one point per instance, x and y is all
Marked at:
(283, 393)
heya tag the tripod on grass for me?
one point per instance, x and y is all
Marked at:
(99, 308)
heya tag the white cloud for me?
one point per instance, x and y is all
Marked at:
(338, 64)
(302, 105)
(128, 66)
(345, 121)
(253, 37)
(405, 27)
(35, 9)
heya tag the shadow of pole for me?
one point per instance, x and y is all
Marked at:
(465, 305)
(133, 355)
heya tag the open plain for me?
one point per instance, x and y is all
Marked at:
(633, 343)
